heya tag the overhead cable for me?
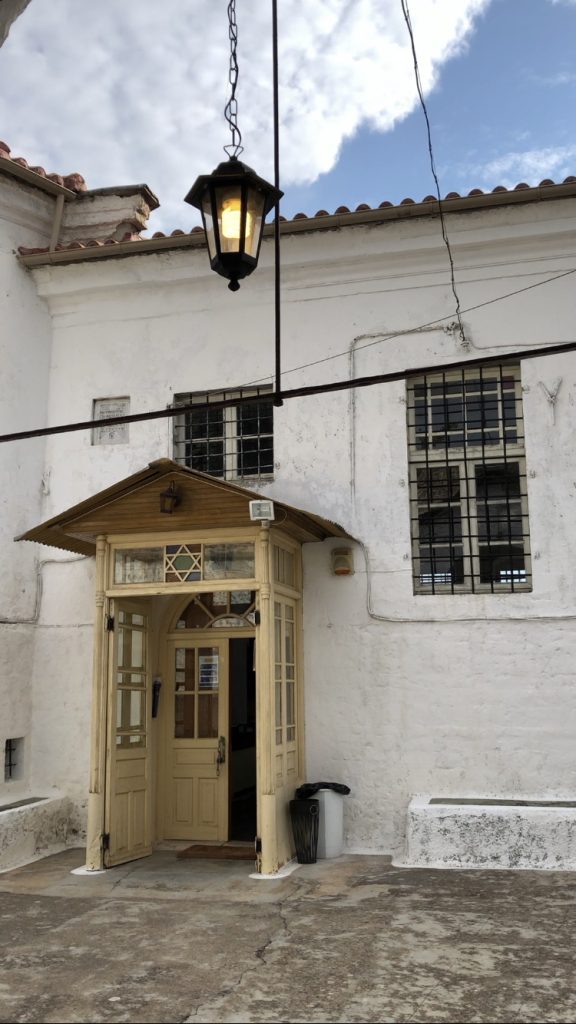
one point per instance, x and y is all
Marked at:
(302, 392)
(406, 13)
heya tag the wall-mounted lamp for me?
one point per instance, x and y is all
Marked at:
(342, 562)
(261, 511)
(169, 499)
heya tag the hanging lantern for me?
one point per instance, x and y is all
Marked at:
(233, 202)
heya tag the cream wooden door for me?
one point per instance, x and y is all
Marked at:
(286, 734)
(195, 784)
(127, 813)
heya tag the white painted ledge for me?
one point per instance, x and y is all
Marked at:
(489, 836)
(34, 830)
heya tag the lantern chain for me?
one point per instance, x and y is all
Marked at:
(235, 147)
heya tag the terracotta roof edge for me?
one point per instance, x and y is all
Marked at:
(325, 222)
(43, 182)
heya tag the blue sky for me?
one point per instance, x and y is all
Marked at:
(133, 91)
(503, 111)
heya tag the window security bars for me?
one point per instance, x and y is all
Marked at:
(229, 443)
(11, 759)
(468, 496)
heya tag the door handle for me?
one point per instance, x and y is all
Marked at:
(221, 754)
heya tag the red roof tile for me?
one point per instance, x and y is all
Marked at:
(340, 211)
(75, 182)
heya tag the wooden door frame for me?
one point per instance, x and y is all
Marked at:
(267, 849)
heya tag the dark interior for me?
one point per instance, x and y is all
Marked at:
(242, 740)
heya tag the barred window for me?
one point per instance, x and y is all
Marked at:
(231, 442)
(468, 496)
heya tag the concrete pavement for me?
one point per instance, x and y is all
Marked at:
(350, 940)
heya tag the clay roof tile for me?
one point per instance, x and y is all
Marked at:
(75, 182)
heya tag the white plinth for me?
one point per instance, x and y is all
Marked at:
(330, 824)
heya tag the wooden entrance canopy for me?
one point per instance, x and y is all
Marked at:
(133, 506)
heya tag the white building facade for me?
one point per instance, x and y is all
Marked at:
(441, 668)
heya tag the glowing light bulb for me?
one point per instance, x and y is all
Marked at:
(232, 219)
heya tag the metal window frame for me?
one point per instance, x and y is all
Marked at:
(230, 435)
(467, 458)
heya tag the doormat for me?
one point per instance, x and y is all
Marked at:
(199, 852)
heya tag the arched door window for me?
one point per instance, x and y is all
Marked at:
(221, 609)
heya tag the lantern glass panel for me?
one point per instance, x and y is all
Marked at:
(254, 221)
(229, 206)
(209, 223)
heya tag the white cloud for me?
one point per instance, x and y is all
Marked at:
(530, 166)
(558, 78)
(134, 90)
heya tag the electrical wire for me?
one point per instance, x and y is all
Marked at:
(406, 13)
(414, 330)
(302, 392)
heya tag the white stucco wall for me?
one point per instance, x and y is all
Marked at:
(25, 341)
(458, 695)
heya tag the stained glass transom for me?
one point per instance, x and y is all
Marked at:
(183, 562)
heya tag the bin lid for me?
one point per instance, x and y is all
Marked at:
(310, 788)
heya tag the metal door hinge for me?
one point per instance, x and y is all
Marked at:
(105, 840)
(110, 623)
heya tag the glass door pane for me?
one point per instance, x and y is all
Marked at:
(197, 678)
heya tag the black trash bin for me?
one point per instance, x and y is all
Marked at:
(304, 815)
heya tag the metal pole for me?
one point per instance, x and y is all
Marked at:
(277, 374)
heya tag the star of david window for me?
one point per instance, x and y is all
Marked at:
(183, 563)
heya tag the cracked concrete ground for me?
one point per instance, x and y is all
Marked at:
(350, 940)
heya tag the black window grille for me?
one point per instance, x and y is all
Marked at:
(468, 494)
(230, 443)
(11, 759)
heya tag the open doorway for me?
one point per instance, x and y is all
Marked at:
(242, 705)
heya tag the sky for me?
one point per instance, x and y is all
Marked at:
(129, 91)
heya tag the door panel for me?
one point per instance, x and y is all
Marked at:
(285, 757)
(127, 813)
(196, 740)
